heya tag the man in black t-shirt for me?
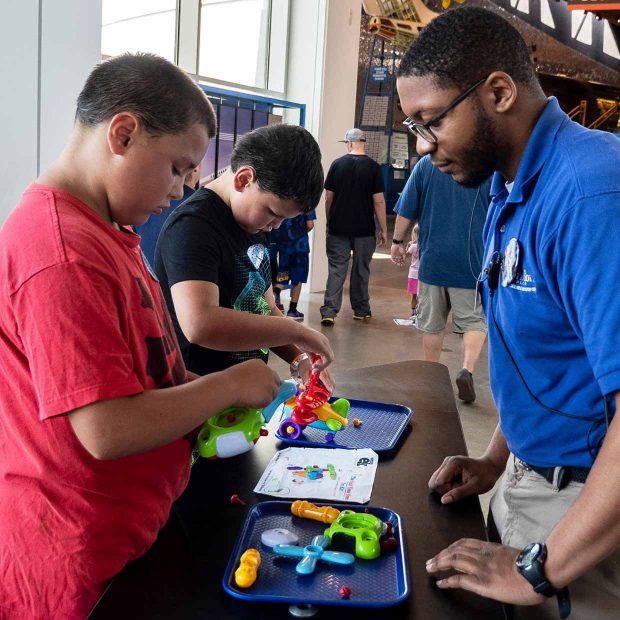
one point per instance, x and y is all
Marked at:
(212, 259)
(353, 201)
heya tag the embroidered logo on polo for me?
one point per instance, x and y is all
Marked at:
(513, 272)
(524, 282)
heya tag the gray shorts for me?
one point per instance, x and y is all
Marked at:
(435, 303)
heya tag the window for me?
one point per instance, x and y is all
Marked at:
(237, 114)
(139, 26)
(234, 41)
(243, 42)
(239, 43)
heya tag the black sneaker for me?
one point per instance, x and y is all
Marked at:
(296, 315)
(328, 320)
(465, 385)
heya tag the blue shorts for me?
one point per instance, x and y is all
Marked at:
(293, 268)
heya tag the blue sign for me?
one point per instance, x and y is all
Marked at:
(379, 73)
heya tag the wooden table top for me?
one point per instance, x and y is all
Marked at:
(180, 576)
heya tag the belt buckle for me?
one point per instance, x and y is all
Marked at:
(519, 464)
(520, 467)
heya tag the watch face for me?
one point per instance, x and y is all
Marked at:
(529, 555)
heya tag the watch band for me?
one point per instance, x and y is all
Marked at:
(398, 241)
(530, 565)
(564, 606)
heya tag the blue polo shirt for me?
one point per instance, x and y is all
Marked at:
(560, 317)
(450, 238)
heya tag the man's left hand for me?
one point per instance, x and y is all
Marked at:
(488, 569)
(381, 238)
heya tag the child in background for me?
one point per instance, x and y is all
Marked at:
(273, 262)
(412, 280)
(96, 410)
(213, 263)
(149, 231)
(292, 247)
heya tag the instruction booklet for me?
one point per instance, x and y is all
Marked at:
(330, 474)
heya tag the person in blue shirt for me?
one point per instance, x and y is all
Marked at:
(149, 231)
(450, 219)
(550, 294)
(290, 264)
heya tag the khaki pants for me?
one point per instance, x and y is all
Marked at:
(525, 509)
(435, 303)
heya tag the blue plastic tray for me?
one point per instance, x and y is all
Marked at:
(382, 425)
(374, 583)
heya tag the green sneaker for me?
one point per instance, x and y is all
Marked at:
(328, 320)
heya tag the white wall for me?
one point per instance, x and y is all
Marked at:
(322, 73)
(19, 61)
(47, 48)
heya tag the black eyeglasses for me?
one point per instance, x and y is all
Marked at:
(424, 129)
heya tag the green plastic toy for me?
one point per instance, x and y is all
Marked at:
(365, 528)
(232, 431)
(236, 429)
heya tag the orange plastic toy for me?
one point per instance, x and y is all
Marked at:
(247, 572)
(306, 510)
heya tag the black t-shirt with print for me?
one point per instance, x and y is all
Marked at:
(202, 241)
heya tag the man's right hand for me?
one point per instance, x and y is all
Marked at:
(252, 383)
(397, 254)
(460, 476)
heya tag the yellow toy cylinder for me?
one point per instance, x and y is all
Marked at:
(247, 572)
(306, 510)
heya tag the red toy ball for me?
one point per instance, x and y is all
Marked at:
(344, 592)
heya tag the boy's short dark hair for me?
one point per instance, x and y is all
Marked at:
(464, 45)
(161, 95)
(287, 161)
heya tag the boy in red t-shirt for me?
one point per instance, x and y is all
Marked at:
(95, 400)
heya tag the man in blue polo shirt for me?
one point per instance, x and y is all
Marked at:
(552, 307)
(450, 219)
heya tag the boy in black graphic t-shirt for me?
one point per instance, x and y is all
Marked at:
(212, 259)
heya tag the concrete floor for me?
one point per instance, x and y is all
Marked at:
(358, 344)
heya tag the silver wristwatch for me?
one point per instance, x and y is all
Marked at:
(296, 363)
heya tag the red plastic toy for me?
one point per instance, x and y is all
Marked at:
(310, 407)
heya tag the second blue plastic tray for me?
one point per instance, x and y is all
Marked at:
(382, 425)
(374, 583)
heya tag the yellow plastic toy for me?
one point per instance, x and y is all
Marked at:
(247, 572)
(306, 510)
(324, 412)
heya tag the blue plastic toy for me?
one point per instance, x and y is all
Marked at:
(311, 554)
(288, 389)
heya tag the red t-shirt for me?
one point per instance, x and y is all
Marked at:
(81, 320)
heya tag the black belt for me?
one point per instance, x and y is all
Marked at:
(559, 477)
